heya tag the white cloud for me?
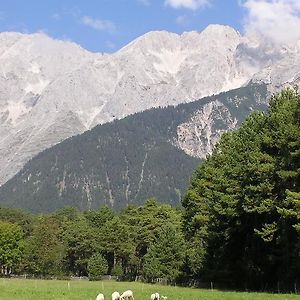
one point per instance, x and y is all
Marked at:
(144, 2)
(98, 24)
(74, 11)
(56, 16)
(278, 21)
(190, 4)
(181, 20)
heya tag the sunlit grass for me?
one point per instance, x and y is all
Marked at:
(22, 289)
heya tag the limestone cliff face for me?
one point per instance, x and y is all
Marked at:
(199, 134)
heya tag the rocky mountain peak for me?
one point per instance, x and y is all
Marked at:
(51, 89)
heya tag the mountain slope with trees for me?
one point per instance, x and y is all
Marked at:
(54, 89)
(239, 226)
(130, 160)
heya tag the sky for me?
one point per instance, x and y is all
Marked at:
(108, 25)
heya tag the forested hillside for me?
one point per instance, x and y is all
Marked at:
(239, 226)
(130, 160)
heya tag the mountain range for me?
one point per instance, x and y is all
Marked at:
(51, 89)
(147, 154)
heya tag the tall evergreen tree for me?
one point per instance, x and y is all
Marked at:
(165, 257)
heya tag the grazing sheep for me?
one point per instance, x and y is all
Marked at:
(164, 297)
(127, 295)
(100, 297)
(115, 296)
(154, 296)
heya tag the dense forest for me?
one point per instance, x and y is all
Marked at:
(145, 240)
(243, 206)
(239, 225)
(125, 161)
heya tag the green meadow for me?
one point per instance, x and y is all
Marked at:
(22, 289)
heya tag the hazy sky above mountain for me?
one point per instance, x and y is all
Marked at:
(107, 25)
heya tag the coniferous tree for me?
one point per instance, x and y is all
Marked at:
(97, 266)
(165, 257)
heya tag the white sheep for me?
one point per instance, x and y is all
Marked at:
(154, 296)
(115, 296)
(127, 295)
(164, 297)
(100, 297)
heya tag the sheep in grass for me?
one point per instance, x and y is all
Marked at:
(164, 297)
(100, 297)
(127, 295)
(154, 296)
(115, 296)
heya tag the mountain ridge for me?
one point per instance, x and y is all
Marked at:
(51, 90)
(148, 154)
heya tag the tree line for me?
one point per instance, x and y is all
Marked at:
(138, 241)
(239, 224)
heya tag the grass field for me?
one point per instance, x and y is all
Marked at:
(22, 289)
